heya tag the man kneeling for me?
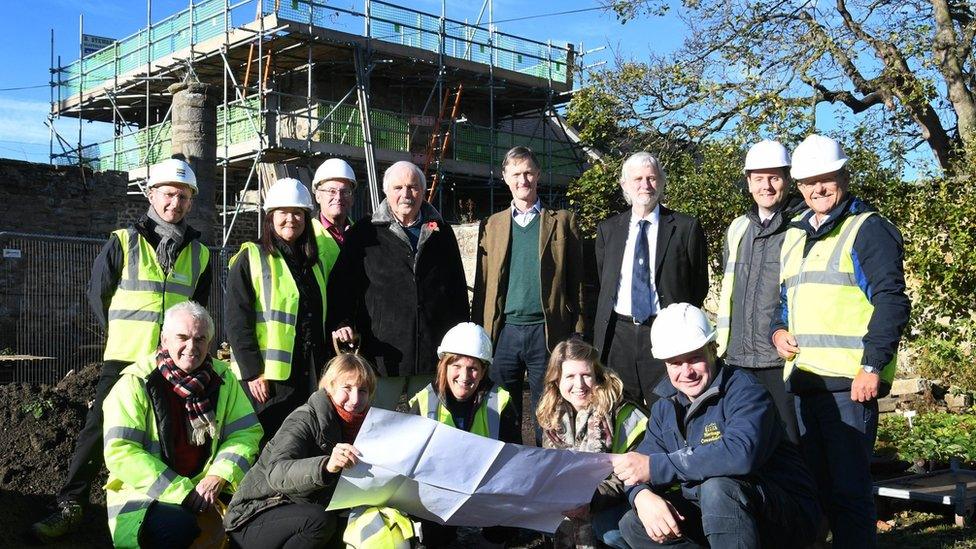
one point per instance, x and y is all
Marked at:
(178, 431)
(716, 433)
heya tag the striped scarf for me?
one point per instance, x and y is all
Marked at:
(199, 390)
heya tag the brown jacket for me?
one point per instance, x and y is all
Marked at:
(561, 270)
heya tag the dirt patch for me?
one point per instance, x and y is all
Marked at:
(38, 426)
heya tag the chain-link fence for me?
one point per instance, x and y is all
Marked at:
(47, 327)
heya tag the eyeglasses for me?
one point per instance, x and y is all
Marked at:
(332, 193)
(170, 196)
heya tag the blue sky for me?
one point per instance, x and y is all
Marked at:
(26, 28)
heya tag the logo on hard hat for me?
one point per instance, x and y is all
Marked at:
(181, 172)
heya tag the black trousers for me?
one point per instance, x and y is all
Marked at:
(293, 526)
(772, 380)
(630, 357)
(168, 526)
(87, 458)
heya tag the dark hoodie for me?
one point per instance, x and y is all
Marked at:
(878, 256)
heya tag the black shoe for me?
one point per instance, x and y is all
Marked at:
(65, 520)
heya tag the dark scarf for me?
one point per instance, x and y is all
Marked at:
(351, 422)
(170, 239)
(199, 389)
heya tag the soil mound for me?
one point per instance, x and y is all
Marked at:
(38, 427)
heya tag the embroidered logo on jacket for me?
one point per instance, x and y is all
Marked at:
(711, 433)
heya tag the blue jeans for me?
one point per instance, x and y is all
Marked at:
(606, 527)
(837, 438)
(521, 350)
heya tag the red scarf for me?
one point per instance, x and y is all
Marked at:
(351, 422)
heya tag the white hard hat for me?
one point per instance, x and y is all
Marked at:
(766, 154)
(678, 329)
(288, 193)
(173, 171)
(334, 168)
(468, 339)
(817, 155)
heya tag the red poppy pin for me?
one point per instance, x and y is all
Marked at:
(432, 226)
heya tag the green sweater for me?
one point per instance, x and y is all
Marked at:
(523, 302)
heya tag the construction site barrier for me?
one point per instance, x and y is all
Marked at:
(47, 327)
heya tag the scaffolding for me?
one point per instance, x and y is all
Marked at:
(294, 49)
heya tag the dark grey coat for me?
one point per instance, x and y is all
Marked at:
(755, 295)
(401, 301)
(291, 468)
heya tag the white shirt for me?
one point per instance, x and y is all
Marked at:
(526, 217)
(622, 306)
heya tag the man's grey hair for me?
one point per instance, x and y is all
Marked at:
(195, 310)
(391, 173)
(642, 159)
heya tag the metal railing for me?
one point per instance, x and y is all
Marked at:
(329, 122)
(44, 310)
(388, 22)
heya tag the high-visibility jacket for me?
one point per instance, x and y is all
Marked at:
(733, 238)
(828, 312)
(326, 244)
(135, 313)
(487, 418)
(377, 528)
(138, 474)
(629, 426)
(277, 308)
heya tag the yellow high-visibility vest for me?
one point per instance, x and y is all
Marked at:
(327, 246)
(733, 238)
(137, 474)
(377, 528)
(276, 308)
(487, 418)
(628, 429)
(828, 313)
(135, 314)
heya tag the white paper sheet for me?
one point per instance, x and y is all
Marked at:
(429, 470)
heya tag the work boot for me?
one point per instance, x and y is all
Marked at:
(65, 520)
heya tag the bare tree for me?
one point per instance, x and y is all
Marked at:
(763, 66)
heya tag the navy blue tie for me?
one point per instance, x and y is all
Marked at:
(640, 278)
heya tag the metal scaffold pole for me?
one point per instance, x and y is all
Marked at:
(360, 58)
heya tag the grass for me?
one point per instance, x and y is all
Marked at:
(922, 529)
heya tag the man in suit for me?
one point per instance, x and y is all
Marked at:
(528, 280)
(631, 293)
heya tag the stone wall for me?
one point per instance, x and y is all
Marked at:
(55, 200)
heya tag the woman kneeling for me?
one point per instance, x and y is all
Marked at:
(582, 408)
(463, 396)
(282, 500)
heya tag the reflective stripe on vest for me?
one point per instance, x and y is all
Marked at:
(828, 311)
(733, 238)
(628, 429)
(377, 528)
(487, 418)
(135, 313)
(276, 308)
(327, 246)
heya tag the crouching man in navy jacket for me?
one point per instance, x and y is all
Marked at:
(716, 433)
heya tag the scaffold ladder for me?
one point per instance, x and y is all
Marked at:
(441, 138)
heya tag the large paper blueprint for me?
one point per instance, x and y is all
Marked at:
(437, 472)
